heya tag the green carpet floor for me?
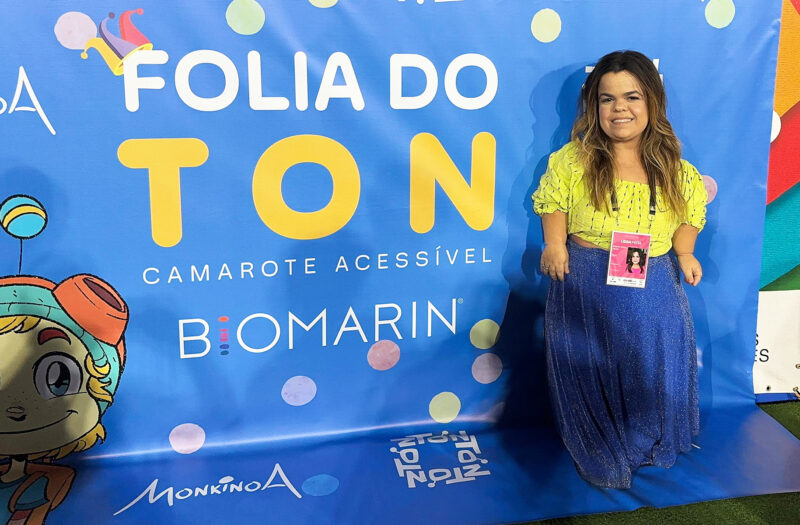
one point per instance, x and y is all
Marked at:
(771, 509)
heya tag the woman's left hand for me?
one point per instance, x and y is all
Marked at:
(690, 266)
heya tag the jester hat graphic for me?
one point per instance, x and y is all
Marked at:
(116, 49)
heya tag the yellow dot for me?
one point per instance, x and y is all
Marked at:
(323, 3)
(484, 334)
(546, 25)
(444, 407)
(719, 13)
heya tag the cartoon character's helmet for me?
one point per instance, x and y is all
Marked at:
(84, 304)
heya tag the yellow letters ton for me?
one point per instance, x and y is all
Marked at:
(284, 154)
(430, 164)
(163, 159)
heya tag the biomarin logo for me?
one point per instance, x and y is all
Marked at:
(225, 485)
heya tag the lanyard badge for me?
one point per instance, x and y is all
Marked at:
(627, 259)
(627, 256)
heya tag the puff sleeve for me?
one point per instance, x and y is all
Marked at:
(694, 191)
(553, 193)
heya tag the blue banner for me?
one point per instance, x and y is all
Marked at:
(298, 241)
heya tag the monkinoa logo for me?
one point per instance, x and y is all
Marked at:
(226, 485)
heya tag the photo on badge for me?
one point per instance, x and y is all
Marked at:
(627, 259)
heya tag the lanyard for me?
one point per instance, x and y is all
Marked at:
(615, 205)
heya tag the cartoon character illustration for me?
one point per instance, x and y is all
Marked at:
(62, 352)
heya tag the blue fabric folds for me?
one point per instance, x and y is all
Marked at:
(622, 368)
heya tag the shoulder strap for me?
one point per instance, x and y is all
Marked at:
(25, 485)
(59, 480)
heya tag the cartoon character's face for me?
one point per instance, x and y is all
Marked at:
(44, 403)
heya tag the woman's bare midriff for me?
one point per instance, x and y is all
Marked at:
(584, 243)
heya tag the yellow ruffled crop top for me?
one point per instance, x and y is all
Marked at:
(562, 188)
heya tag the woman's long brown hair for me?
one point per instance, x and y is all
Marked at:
(659, 148)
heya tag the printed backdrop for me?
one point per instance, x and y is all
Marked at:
(318, 214)
(776, 372)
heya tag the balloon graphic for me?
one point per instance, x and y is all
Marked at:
(22, 217)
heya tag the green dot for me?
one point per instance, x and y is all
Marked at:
(719, 13)
(246, 17)
(444, 407)
(484, 334)
(323, 3)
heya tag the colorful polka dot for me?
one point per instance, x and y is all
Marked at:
(444, 407)
(299, 390)
(546, 25)
(487, 368)
(484, 334)
(720, 13)
(187, 438)
(776, 126)
(246, 17)
(74, 29)
(383, 355)
(320, 485)
(323, 4)
(711, 187)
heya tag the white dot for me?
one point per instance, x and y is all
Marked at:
(776, 126)
(187, 438)
(546, 25)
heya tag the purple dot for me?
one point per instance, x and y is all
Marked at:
(711, 187)
(383, 355)
(299, 390)
(487, 368)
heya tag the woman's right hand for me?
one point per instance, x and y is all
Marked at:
(555, 261)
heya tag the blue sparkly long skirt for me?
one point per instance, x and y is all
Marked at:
(622, 367)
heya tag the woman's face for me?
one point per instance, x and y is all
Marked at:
(635, 258)
(622, 108)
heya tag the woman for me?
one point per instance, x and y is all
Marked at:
(635, 261)
(621, 361)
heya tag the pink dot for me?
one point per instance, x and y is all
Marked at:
(711, 187)
(74, 29)
(187, 438)
(383, 355)
(223, 319)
